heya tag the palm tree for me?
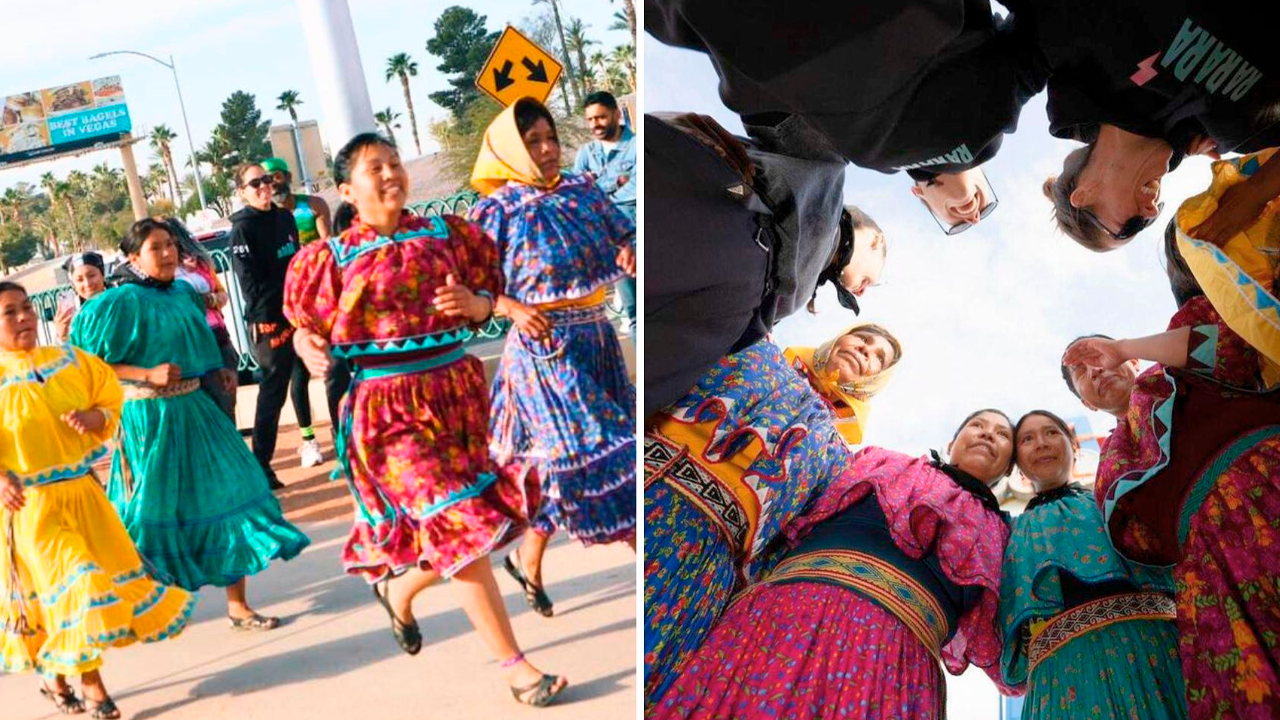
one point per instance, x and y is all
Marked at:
(289, 101)
(161, 136)
(625, 19)
(578, 44)
(599, 64)
(402, 66)
(564, 48)
(387, 119)
(154, 181)
(60, 194)
(625, 57)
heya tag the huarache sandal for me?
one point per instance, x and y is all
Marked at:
(408, 636)
(65, 700)
(534, 595)
(254, 622)
(539, 694)
(105, 710)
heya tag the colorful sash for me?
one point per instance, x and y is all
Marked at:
(1082, 619)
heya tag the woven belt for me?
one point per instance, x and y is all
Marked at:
(151, 392)
(1094, 615)
(595, 298)
(896, 591)
(671, 462)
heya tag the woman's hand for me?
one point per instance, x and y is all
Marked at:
(457, 300)
(529, 320)
(11, 492)
(215, 300)
(164, 374)
(1101, 353)
(85, 421)
(1241, 206)
(627, 260)
(62, 321)
(314, 352)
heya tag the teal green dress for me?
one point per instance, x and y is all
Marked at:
(1059, 558)
(198, 505)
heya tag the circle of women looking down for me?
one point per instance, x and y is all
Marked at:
(1082, 627)
(563, 403)
(73, 583)
(395, 294)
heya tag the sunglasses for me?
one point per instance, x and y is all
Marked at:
(258, 182)
(992, 203)
(1131, 227)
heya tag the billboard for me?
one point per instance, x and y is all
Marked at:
(60, 119)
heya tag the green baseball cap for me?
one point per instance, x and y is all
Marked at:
(275, 165)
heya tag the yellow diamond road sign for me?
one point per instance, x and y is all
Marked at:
(518, 68)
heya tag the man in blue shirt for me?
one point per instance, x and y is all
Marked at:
(611, 158)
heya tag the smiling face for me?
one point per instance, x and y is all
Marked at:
(256, 188)
(158, 256)
(605, 123)
(859, 355)
(379, 184)
(955, 198)
(1122, 179)
(1105, 390)
(983, 447)
(18, 321)
(544, 147)
(87, 281)
(1046, 453)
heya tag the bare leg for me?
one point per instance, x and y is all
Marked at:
(631, 543)
(483, 604)
(530, 555)
(237, 605)
(95, 692)
(404, 588)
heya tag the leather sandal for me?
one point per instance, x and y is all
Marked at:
(408, 636)
(534, 595)
(542, 692)
(65, 700)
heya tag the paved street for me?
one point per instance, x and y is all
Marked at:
(335, 657)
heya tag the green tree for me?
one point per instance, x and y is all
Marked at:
(624, 58)
(576, 35)
(462, 43)
(289, 102)
(161, 138)
(242, 132)
(18, 244)
(402, 66)
(575, 81)
(541, 29)
(387, 119)
(625, 19)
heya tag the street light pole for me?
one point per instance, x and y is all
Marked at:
(195, 164)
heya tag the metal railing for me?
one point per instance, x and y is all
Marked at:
(46, 301)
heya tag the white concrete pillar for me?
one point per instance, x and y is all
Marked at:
(136, 197)
(339, 76)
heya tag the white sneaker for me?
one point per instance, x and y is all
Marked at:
(310, 452)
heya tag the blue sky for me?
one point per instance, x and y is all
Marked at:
(985, 315)
(228, 45)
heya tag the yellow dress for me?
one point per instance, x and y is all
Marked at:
(81, 585)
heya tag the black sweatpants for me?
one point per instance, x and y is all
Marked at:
(273, 349)
(335, 384)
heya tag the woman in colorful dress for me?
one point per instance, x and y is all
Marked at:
(731, 465)
(191, 495)
(847, 371)
(894, 568)
(562, 400)
(1088, 633)
(1191, 478)
(396, 294)
(73, 584)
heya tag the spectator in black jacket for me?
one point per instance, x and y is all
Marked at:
(263, 240)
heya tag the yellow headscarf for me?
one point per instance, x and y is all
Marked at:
(504, 157)
(850, 401)
(1237, 278)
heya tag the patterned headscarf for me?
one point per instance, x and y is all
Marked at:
(504, 157)
(850, 401)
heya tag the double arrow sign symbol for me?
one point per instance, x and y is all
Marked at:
(502, 78)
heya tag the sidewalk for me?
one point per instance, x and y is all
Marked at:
(335, 657)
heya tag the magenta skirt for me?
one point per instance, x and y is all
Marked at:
(805, 651)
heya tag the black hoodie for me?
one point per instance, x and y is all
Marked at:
(1163, 70)
(262, 244)
(926, 86)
